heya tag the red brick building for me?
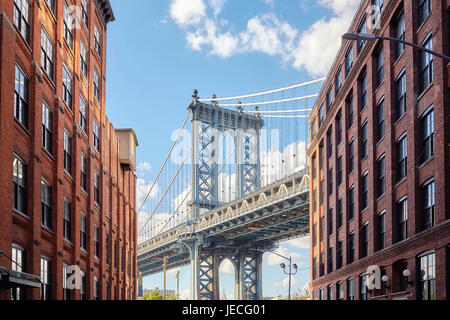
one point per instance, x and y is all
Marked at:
(67, 182)
(380, 160)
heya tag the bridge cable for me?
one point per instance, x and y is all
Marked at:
(164, 164)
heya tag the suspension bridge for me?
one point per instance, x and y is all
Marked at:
(232, 186)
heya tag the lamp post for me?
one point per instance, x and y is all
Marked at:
(178, 285)
(372, 37)
(283, 266)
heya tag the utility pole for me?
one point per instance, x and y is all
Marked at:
(178, 285)
(165, 266)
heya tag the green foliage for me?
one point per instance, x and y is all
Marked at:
(156, 296)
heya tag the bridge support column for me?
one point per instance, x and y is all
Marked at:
(208, 281)
(250, 273)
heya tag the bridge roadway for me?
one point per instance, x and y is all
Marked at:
(275, 213)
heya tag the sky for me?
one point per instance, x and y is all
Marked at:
(159, 51)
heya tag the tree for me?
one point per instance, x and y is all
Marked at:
(152, 296)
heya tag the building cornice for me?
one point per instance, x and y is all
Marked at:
(104, 6)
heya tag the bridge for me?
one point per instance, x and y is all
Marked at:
(245, 189)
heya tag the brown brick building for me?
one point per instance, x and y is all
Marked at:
(380, 160)
(67, 182)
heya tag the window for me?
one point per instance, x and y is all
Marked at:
(313, 130)
(84, 13)
(339, 254)
(400, 34)
(427, 277)
(400, 96)
(20, 185)
(83, 179)
(330, 259)
(46, 203)
(402, 220)
(380, 121)
(67, 224)
(365, 140)
(351, 156)
(351, 111)
(322, 294)
(365, 191)
(329, 98)
(322, 192)
(351, 289)
(339, 129)
(402, 152)
(424, 10)
(96, 133)
(330, 221)
(45, 279)
(116, 254)
(67, 152)
(314, 235)
(46, 53)
(330, 293)
(378, 3)
(380, 66)
(47, 128)
(67, 292)
(83, 285)
(83, 233)
(340, 291)
(68, 22)
(83, 59)
(96, 289)
(426, 65)
(18, 265)
(363, 91)
(321, 116)
(96, 242)
(351, 248)
(97, 41)
(363, 291)
(321, 157)
(315, 200)
(349, 60)
(322, 229)
(340, 208)
(362, 29)
(364, 241)
(330, 142)
(83, 116)
(22, 18)
(96, 86)
(322, 264)
(381, 231)
(339, 171)
(96, 188)
(67, 87)
(330, 182)
(381, 176)
(338, 81)
(21, 96)
(108, 249)
(427, 135)
(428, 204)
(314, 268)
(351, 200)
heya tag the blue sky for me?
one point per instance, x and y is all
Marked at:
(160, 50)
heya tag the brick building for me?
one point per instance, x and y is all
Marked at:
(380, 160)
(67, 181)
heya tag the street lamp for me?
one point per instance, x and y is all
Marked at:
(290, 273)
(372, 37)
(178, 285)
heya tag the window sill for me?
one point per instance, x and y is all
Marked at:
(424, 92)
(22, 126)
(379, 86)
(381, 197)
(67, 241)
(83, 251)
(401, 181)
(48, 154)
(397, 61)
(47, 229)
(27, 45)
(425, 163)
(380, 141)
(48, 78)
(364, 159)
(67, 174)
(399, 119)
(423, 23)
(23, 215)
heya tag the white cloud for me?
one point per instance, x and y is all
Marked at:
(294, 282)
(144, 166)
(271, 259)
(302, 243)
(226, 267)
(312, 50)
(143, 188)
(185, 294)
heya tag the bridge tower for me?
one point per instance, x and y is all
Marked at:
(209, 122)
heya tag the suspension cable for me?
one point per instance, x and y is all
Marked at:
(167, 190)
(279, 111)
(164, 164)
(264, 93)
(262, 103)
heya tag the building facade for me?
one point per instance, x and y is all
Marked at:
(379, 157)
(67, 187)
